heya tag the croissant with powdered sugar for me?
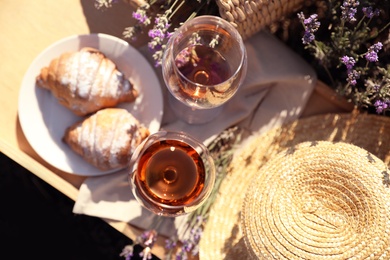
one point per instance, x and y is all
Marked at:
(106, 139)
(86, 81)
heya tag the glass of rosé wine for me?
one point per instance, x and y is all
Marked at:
(171, 173)
(203, 65)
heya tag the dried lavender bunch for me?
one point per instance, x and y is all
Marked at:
(159, 18)
(349, 41)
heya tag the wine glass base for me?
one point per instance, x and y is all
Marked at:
(192, 115)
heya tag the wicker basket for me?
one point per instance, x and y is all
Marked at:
(249, 17)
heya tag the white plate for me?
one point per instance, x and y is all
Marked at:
(44, 120)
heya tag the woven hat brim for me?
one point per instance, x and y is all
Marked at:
(222, 237)
(318, 200)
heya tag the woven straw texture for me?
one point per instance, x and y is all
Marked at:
(249, 17)
(318, 200)
(223, 236)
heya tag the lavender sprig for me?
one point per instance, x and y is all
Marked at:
(127, 252)
(159, 34)
(162, 28)
(372, 53)
(146, 239)
(310, 25)
(369, 12)
(348, 52)
(349, 10)
(381, 106)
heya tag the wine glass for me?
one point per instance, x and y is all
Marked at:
(203, 65)
(171, 173)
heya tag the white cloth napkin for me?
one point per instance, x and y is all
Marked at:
(275, 91)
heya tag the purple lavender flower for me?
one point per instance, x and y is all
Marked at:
(353, 76)
(348, 10)
(308, 37)
(148, 238)
(187, 246)
(311, 25)
(371, 56)
(369, 12)
(170, 244)
(181, 255)
(141, 16)
(372, 53)
(127, 252)
(156, 33)
(196, 234)
(312, 21)
(377, 12)
(183, 58)
(349, 62)
(376, 47)
(380, 106)
(162, 22)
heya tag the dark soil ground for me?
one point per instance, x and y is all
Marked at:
(36, 222)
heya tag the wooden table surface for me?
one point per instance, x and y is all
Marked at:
(27, 27)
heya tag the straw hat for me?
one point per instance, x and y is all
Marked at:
(223, 235)
(318, 200)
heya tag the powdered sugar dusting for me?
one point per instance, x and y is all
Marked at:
(80, 73)
(92, 139)
(85, 138)
(87, 72)
(104, 144)
(102, 77)
(70, 74)
(114, 85)
(117, 145)
(92, 77)
(123, 138)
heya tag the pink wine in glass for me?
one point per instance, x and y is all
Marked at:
(203, 65)
(171, 172)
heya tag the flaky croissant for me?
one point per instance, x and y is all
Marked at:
(106, 139)
(86, 81)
